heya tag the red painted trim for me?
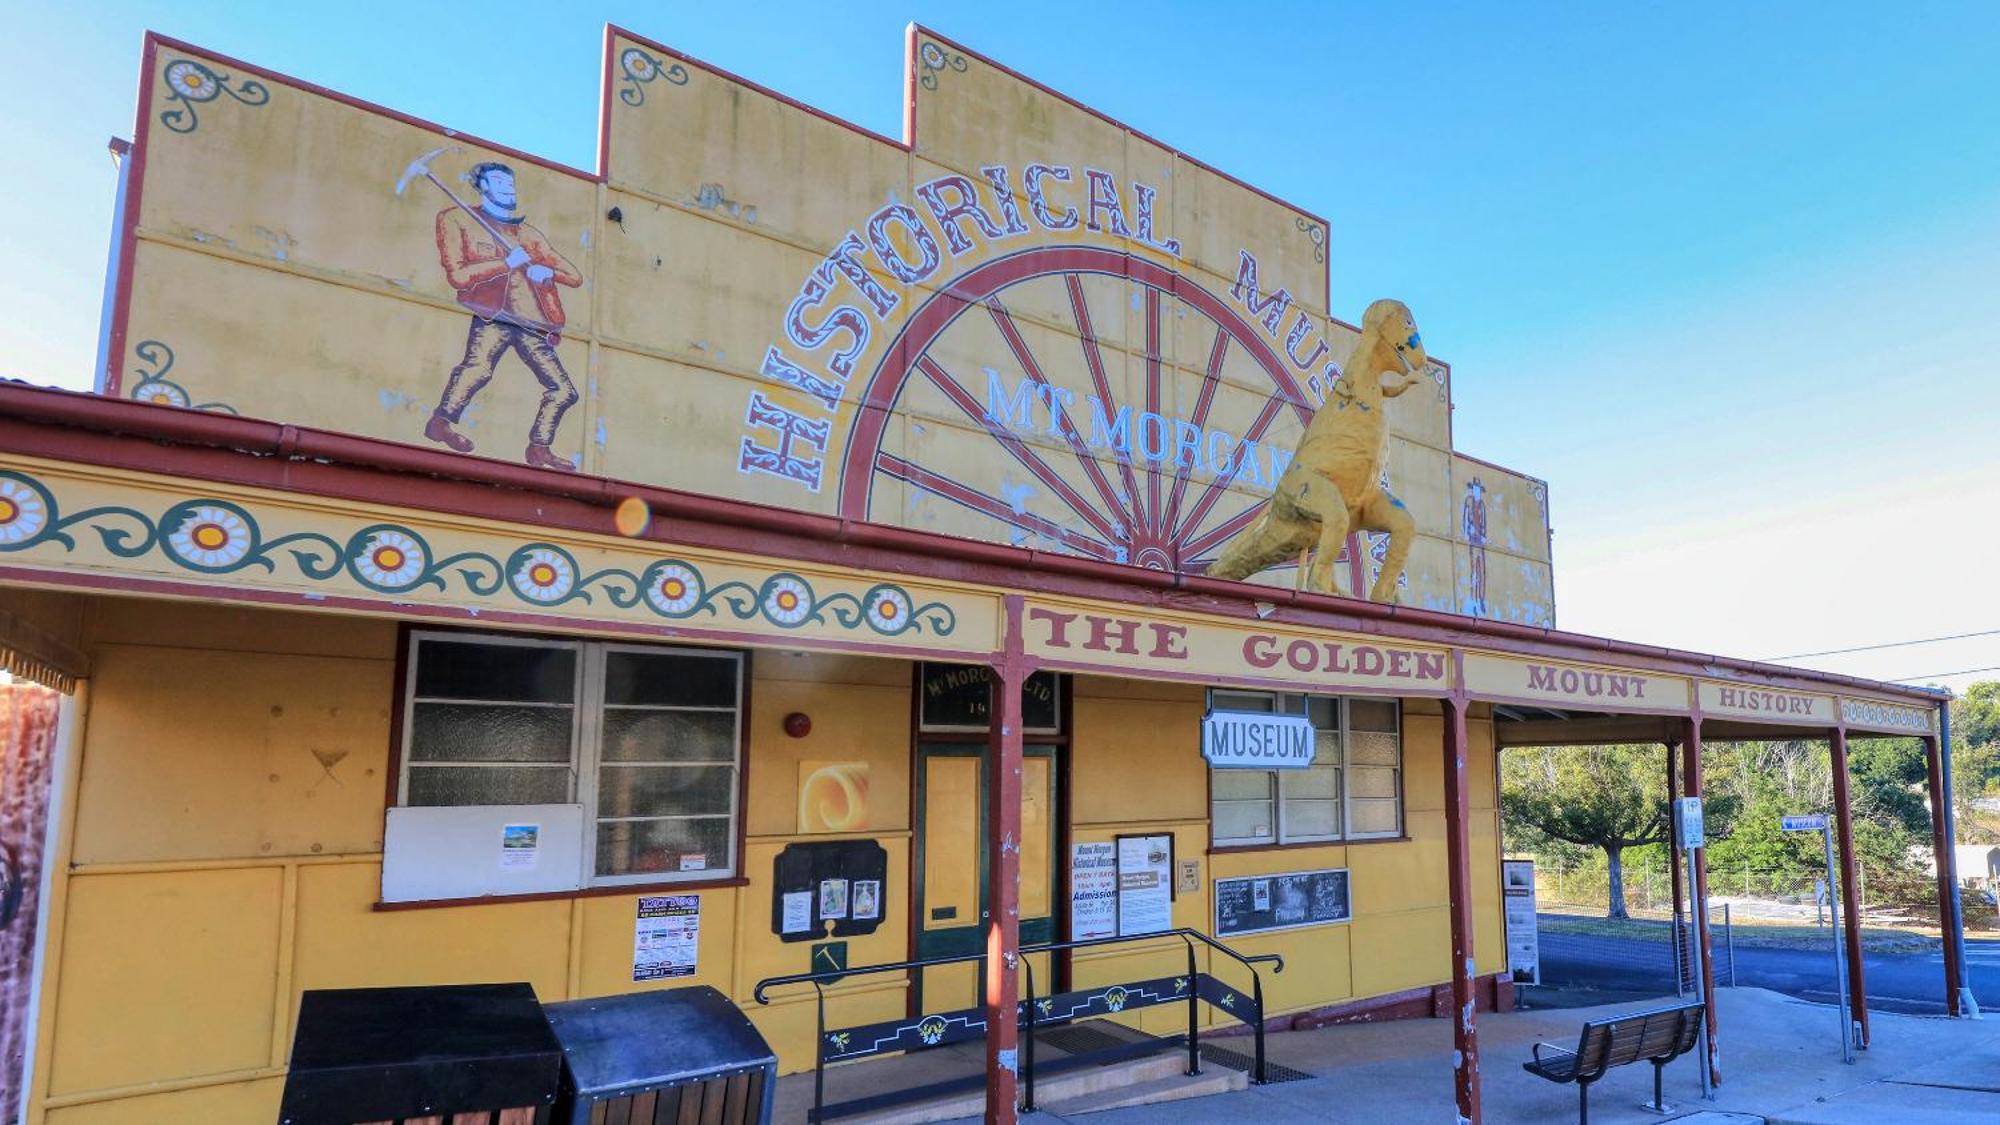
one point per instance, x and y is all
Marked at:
(583, 892)
(1692, 786)
(112, 378)
(1495, 994)
(1945, 859)
(89, 429)
(1850, 890)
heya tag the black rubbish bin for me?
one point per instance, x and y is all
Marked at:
(396, 1054)
(660, 1058)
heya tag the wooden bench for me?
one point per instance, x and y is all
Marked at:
(1657, 1035)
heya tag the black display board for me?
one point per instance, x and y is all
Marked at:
(1281, 902)
(847, 881)
(960, 697)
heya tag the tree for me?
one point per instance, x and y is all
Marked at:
(1608, 797)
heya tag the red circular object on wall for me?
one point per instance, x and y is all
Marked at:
(798, 724)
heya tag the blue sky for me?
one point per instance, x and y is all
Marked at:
(1724, 275)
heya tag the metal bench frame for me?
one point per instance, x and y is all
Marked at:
(1657, 1035)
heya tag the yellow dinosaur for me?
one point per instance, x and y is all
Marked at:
(1333, 484)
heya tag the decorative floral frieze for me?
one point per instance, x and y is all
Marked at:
(213, 536)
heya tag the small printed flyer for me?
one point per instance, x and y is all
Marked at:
(519, 844)
(666, 937)
(865, 903)
(798, 912)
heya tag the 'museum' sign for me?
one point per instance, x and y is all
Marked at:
(1254, 740)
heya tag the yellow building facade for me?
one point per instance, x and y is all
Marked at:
(595, 580)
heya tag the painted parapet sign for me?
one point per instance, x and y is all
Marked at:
(1028, 324)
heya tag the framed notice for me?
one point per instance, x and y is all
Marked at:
(1258, 903)
(1093, 890)
(1524, 955)
(1145, 884)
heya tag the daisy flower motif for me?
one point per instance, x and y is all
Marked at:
(638, 64)
(674, 589)
(787, 600)
(160, 392)
(390, 559)
(888, 610)
(24, 511)
(212, 537)
(933, 56)
(193, 81)
(544, 575)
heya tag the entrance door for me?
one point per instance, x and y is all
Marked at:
(951, 864)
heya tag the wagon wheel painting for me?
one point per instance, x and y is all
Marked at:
(1086, 501)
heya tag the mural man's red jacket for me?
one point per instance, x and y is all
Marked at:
(476, 265)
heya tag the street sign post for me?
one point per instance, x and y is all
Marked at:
(1818, 822)
(1687, 816)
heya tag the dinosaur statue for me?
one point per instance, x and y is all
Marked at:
(1333, 484)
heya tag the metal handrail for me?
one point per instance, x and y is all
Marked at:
(1027, 1018)
(1250, 961)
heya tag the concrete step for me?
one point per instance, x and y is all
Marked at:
(1050, 1089)
(1171, 1088)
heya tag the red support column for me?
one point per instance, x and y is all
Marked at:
(1674, 851)
(1458, 866)
(1850, 889)
(1002, 988)
(1942, 853)
(1698, 894)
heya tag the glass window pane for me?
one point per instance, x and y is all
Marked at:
(1311, 818)
(1371, 781)
(664, 847)
(1326, 747)
(1324, 712)
(1315, 782)
(1372, 714)
(488, 732)
(489, 785)
(1292, 704)
(1372, 816)
(1242, 785)
(664, 790)
(1368, 749)
(1254, 701)
(514, 673)
(675, 679)
(669, 736)
(1243, 820)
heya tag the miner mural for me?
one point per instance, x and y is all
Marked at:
(1333, 484)
(506, 272)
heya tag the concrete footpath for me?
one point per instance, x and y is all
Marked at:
(1780, 1061)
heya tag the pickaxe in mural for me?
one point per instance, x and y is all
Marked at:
(506, 273)
(1334, 482)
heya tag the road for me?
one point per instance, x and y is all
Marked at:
(1897, 982)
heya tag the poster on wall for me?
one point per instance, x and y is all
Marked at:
(1145, 884)
(666, 937)
(519, 844)
(1524, 955)
(1093, 890)
(833, 797)
(1258, 903)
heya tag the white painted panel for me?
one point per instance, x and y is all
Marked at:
(456, 852)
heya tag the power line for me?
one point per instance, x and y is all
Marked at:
(1942, 675)
(1891, 644)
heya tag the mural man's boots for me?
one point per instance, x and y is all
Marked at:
(439, 429)
(542, 457)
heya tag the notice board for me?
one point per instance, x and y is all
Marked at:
(1256, 903)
